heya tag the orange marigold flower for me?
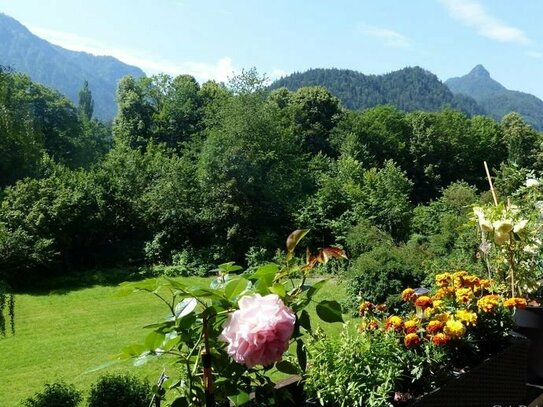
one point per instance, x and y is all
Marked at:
(454, 329)
(381, 307)
(440, 339)
(394, 322)
(408, 294)
(468, 317)
(471, 281)
(464, 295)
(369, 325)
(484, 283)
(515, 302)
(411, 326)
(411, 340)
(434, 326)
(443, 279)
(364, 307)
(488, 303)
(423, 302)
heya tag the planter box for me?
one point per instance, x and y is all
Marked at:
(530, 324)
(498, 381)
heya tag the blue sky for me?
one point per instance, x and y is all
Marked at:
(211, 39)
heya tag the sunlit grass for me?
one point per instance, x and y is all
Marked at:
(61, 336)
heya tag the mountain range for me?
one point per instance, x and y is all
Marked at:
(414, 88)
(62, 69)
(409, 89)
(495, 99)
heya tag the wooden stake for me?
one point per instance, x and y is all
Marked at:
(490, 183)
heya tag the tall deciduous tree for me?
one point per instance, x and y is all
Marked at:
(85, 101)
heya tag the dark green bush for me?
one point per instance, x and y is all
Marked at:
(56, 394)
(115, 390)
(384, 271)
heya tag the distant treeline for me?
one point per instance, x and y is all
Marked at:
(200, 175)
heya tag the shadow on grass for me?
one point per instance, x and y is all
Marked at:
(64, 282)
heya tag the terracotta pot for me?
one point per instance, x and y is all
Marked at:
(530, 324)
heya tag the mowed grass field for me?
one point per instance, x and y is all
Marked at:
(61, 335)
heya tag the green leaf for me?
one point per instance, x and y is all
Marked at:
(286, 367)
(235, 287)
(294, 238)
(279, 289)
(264, 276)
(185, 307)
(239, 399)
(154, 340)
(301, 354)
(304, 320)
(229, 267)
(133, 350)
(180, 402)
(329, 311)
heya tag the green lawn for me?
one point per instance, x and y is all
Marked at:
(61, 335)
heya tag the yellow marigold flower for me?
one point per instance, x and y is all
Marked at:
(443, 292)
(440, 339)
(394, 322)
(434, 326)
(411, 326)
(515, 303)
(443, 317)
(454, 329)
(438, 304)
(488, 303)
(364, 307)
(428, 312)
(469, 317)
(443, 279)
(408, 294)
(423, 302)
(464, 295)
(411, 340)
(458, 278)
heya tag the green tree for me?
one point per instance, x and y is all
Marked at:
(85, 101)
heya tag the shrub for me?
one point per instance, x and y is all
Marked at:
(384, 271)
(56, 394)
(365, 369)
(114, 390)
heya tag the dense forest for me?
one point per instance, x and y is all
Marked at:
(195, 175)
(407, 89)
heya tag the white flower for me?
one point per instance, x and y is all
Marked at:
(531, 182)
(503, 226)
(520, 225)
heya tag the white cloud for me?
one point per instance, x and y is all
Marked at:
(472, 14)
(389, 37)
(220, 70)
(277, 73)
(535, 54)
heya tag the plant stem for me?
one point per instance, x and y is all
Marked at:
(206, 361)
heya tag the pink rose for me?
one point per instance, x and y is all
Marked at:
(259, 332)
